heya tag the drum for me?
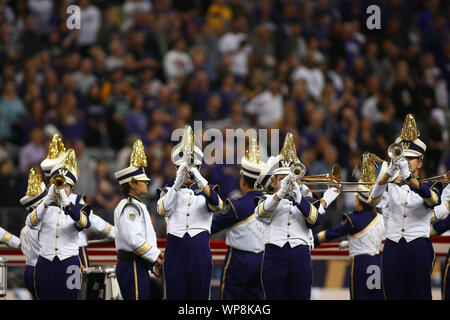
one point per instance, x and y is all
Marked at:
(99, 283)
(3, 278)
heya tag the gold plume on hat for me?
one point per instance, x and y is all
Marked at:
(56, 147)
(288, 152)
(70, 161)
(34, 187)
(187, 141)
(369, 166)
(138, 158)
(409, 129)
(252, 153)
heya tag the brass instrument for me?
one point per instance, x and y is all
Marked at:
(445, 178)
(298, 170)
(58, 181)
(395, 151)
(333, 177)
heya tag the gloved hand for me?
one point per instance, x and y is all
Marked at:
(296, 193)
(404, 168)
(343, 245)
(330, 195)
(391, 168)
(285, 187)
(180, 177)
(201, 182)
(64, 199)
(305, 191)
(50, 197)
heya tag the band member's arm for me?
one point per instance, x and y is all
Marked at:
(34, 218)
(131, 226)
(227, 218)
(440, 226)
(9, 239)
(100, 226)
(344, 228)
(430, 192)
(166, 202)
(266, 207)
(310, 212)
(215, 203)
(440, 211)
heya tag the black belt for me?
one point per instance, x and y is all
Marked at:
(130, 256)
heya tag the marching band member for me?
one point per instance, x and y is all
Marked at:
(288, 216)
(188, 208)
(136, 243)
(58, 269)
(240, 278)
(9, 239)
(56, 154)
(408, 253)
(365, 231)
(441, 212)
(29, 236)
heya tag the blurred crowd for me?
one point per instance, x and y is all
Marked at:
(141, 68)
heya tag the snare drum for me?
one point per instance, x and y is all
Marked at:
(3, 278)
(100, 283)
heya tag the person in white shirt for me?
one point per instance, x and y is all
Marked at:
(408, 254)
(91, 22)
(58, 271)
(29, 236)
(267, 107)
(177, 63)
(188, 207)
(288, 216)
(136, 242)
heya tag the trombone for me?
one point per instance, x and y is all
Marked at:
(445, 178)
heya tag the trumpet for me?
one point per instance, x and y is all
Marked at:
(396, 151)
(58, 181)
(298, 170)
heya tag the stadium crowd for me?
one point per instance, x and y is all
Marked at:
(141, 68)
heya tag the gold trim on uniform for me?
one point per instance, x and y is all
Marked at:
(432, 231)
(135, 281)
(233, 208)
(34, 219)
(161, 210)
(367, 227)
(374, 202)
(263, 213)
(143, 249)
(433, 200)
(107, 229)
(218, 207)
(6, 238)
(245, 220)
(83, 221)
(222, 287)
(312, 217)
(321, 236)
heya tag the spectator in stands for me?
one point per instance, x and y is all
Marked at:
(11, 111)
(84, 78)
(33, 152)
(91, 20)
(177, 63)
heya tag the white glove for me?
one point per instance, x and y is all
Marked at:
(50, 197)
(305, 191)
(64, 199)
(284, 190)
(296, 193)
(391, 169)
(343, 245)
(201, 182)
(404, 168)
(180, 177)
(330, 195)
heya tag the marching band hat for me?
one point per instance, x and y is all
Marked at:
(368, 174)
(67, 168)
(138, 163)
(265, 177)
(251, 165)
(56, 154)
(288, 156)
(36, 190)
(409, 138)
(187, 145)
